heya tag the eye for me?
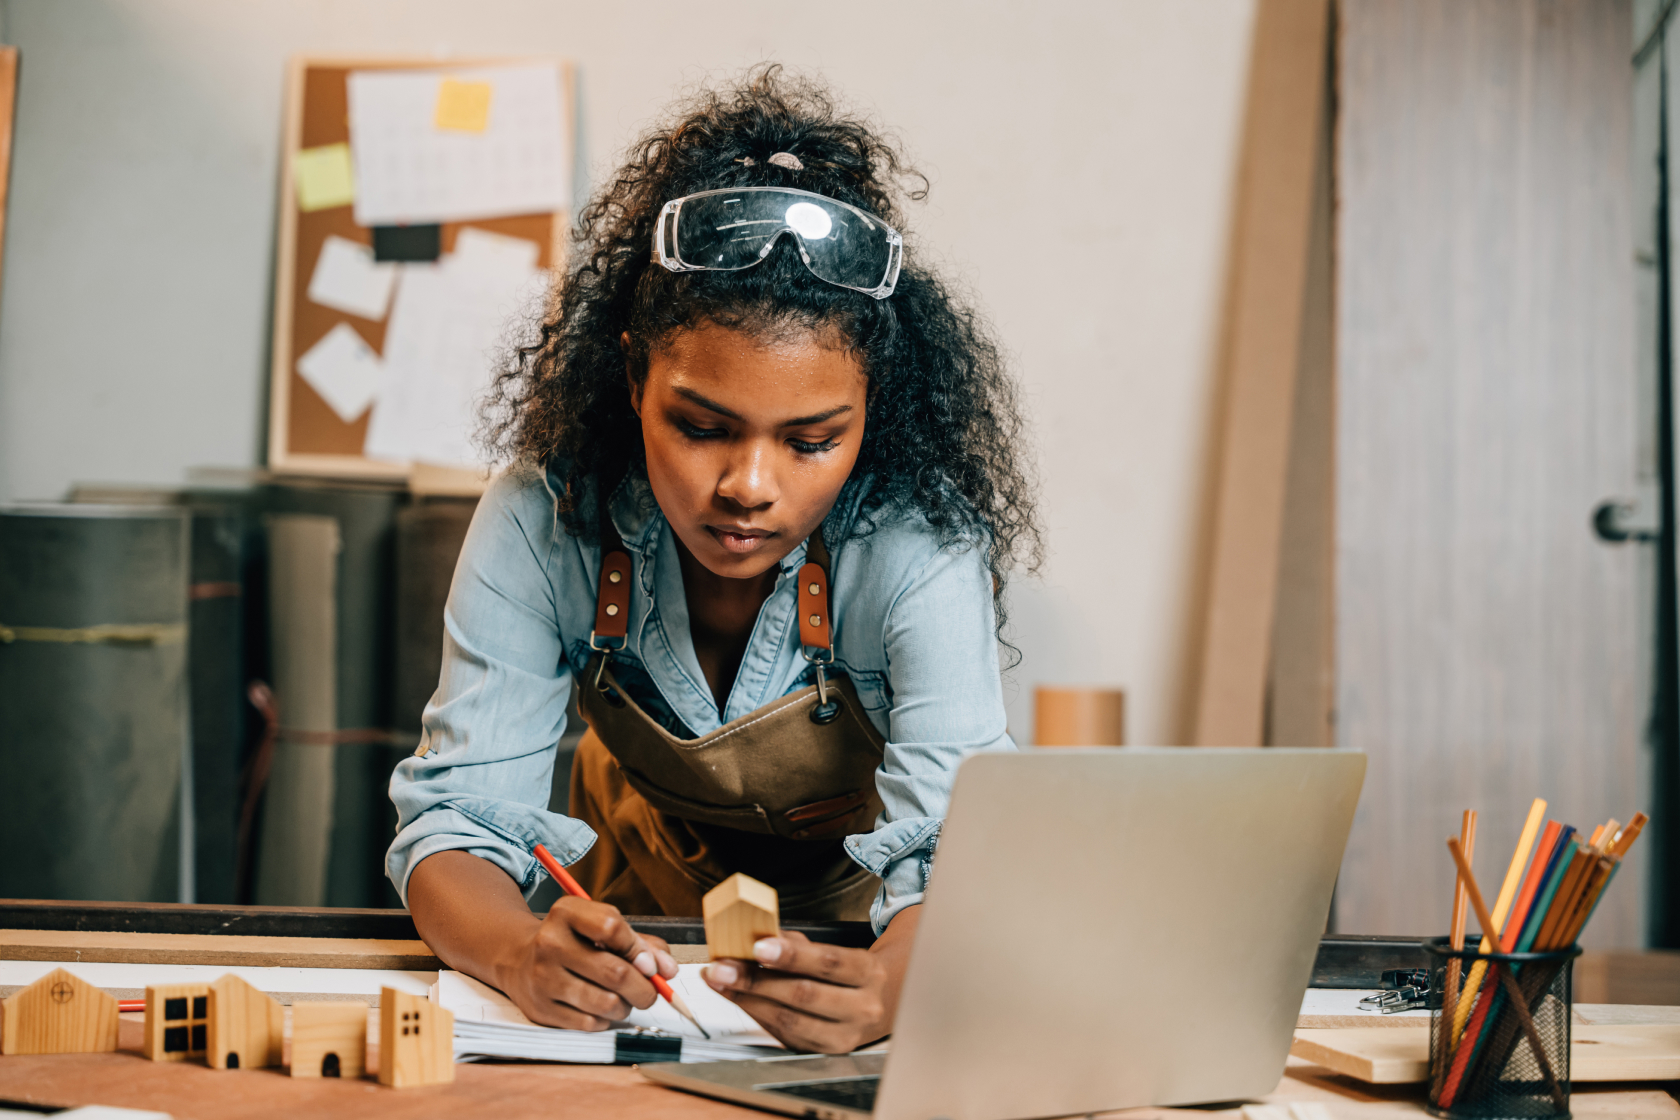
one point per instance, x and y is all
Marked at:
(804, 448)
(694, 432)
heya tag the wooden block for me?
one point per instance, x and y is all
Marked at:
(416, 1041)
(247, 1027)
(329, 1039)
(1079, 717)
(58, 1014)
(739, 911)
(177, 1021)
(222, 950)
(1644, 1052)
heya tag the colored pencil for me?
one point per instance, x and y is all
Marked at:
(1455, 967)
(572, 887)
(1531, 884)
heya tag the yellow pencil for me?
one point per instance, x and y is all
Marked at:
(1507, 893)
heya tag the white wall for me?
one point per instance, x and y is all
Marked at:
(1081, 155)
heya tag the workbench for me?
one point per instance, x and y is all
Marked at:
(285, 937)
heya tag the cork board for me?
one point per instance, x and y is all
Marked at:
(305, 435)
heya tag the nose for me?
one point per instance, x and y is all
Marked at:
(749, 479)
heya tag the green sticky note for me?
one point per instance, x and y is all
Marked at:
(323, 177)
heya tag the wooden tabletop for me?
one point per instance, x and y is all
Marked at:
(513, 1091)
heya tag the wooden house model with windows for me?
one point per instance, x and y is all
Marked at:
(177, 1021)
(416, 1041)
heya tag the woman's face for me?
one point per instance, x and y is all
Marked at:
(748, 441)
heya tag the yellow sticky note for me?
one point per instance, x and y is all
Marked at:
(323, 177)
(462, 106)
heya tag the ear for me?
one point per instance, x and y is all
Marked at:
(629, 374)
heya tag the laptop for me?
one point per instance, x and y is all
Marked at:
(1104, 929)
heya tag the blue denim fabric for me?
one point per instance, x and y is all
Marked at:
(913, 629)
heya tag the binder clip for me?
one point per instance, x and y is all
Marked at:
(1406, 989)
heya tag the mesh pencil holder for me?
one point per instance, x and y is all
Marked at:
(1501, 1047)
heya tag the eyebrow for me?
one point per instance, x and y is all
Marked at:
(796, 422)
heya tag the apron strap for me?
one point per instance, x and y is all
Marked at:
(814, 629)
(612, 599)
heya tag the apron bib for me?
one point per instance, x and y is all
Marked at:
(772, 794)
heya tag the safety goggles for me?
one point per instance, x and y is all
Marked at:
(724, 231)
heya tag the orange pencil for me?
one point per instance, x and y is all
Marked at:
(572, 887)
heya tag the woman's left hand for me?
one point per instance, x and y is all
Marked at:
(821, 997)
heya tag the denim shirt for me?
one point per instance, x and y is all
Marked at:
(912, 629)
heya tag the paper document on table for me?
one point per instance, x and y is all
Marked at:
(348, 279)
(449, 323)
(487, 1024)
(411, 170)
(344, 370)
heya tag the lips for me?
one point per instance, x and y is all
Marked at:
(738, 539)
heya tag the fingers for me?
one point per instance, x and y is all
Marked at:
(662, 954)
(580, 959)
(792, 952)
(801, 993)
(798, 1030)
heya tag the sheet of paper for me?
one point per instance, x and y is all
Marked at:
(343, 368)
(324, 177)
(409, 170)
(449, 326)
(348, 279)
(472, 1001)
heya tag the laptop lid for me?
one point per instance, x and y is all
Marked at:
(1115, 928)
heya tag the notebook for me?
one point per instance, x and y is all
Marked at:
(488, 1025)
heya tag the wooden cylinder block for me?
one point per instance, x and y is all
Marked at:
(1079, 717)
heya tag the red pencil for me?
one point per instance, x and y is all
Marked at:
(573, 888)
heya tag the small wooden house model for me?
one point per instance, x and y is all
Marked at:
(246, 1026)
(329, 1039)
(176, 1021)
(416, 1041)
(58, 1014)
(738, 911)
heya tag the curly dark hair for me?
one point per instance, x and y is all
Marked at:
(943, 429)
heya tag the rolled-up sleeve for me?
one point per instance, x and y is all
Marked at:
(480, 780)
(947, 703)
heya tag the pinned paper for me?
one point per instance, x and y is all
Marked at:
(343, 368)
(348, 279)
(410, 171)
(324, 177)
(448, 327)
(462, 106)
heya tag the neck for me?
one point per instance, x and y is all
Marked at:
(721, 613)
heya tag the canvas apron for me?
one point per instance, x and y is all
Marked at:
(771, 794)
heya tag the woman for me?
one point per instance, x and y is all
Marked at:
(752, 407)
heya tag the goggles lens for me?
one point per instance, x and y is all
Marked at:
(735, 229)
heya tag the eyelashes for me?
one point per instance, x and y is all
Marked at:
(695, 432)
(813, 448)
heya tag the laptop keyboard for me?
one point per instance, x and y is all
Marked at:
(849, 1092)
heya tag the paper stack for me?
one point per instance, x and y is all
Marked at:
(488, 1025)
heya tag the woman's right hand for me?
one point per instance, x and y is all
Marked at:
(583, 967)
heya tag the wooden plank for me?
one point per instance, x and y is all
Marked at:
(1383, 1056)
(213, 949)
(8, 114)
(1489, 649)
(1270, 240)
